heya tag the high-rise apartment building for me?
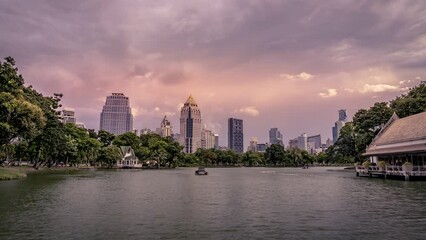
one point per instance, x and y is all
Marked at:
(166, 129)
(235, 135)
(275, 137)
(190, 126)
(207, 139)
(116, 115)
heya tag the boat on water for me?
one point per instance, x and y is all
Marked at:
(201, 171)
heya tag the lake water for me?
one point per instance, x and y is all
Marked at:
(229, 203)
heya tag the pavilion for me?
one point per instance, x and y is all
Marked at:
(399, 149)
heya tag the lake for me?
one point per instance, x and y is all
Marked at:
(229, 203)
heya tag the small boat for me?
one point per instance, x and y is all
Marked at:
(201, 171)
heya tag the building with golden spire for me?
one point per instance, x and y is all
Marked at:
(190, 126)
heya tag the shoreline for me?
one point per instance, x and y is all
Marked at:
(19, 172)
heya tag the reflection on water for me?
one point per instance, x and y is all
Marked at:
(231, 203)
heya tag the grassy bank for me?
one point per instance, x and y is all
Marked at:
(12, 173)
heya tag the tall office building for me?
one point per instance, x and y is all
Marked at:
(275, 137)
(166, 129)
(235, 135)
(190, 126)
(116, 115)
(339, 124)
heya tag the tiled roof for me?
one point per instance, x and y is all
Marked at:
(402, 130)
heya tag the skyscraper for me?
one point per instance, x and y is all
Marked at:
(190, 126)
(235, 135)
(342, 115)
(166, 129)
(275, 137)
(116, 115)
(339, 124)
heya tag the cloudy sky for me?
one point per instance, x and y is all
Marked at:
(286, 64)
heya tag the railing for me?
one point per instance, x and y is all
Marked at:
(393, 170)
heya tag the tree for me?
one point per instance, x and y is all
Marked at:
(10, 80)
(105, 138)
(109, 155)
(274, 154)
(19, 118)
(411, 103)
(253, 158)
(372, 120)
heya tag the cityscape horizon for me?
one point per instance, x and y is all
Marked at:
(274, 64)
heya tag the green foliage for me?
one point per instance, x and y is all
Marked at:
(109, 155)
(274, 154)
(10, 80)
(411, 103)
(127, 139)
(19, 118)
(105, 138)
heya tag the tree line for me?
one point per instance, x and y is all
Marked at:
(31, 130)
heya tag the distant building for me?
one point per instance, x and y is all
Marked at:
(275, 137)
(253, 145)
(190, 126)
(336, 130)
(207, 139)
(311, 148)
(80, 125)
(68, 116)
(329, 142)
(342, 115)
(136, 132)
(146, 131)
(339, 124)
(302, 142)
(166, 129)
(235, 135)
(293, 143)
(116, 115)
(216, 141)
(316, 139)
(261, 147)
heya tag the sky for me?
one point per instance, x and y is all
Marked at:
(290, 64)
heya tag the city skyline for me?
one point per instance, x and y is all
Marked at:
(284, 64)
